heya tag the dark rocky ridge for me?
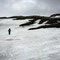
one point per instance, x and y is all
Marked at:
(51, 21)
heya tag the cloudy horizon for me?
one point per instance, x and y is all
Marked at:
(29, 7)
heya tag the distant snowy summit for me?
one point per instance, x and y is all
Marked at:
(53, 21)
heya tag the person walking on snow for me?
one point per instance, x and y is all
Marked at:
(9, 31)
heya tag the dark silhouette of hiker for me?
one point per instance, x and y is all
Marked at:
(9, 31)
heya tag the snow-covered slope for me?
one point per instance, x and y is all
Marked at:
(22, 44)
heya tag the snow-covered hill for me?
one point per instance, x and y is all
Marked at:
(22, 44)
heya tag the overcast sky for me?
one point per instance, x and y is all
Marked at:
(29, 7)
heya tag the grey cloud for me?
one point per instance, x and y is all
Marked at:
(29, 7)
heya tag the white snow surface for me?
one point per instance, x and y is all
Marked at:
(22, 44)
